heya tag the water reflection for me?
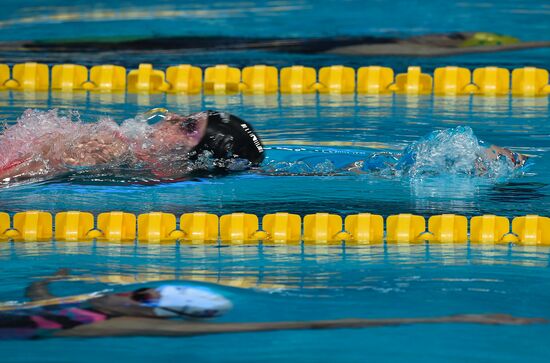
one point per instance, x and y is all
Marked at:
(373, 107)
(496, 105)
(31, 99)
(33, 249)
(74, 248)
(298, 100)
(6, 250)
(441, 194)
(527, 107)
(448, 254)
(532, 256)
(332, 100)
(148, 100)
(186, 104)
(450, 107)
(71, 100)
(221, 102)
(380, 267)
(107, 98)
(374, 254)
(261, 101)
(237, 255)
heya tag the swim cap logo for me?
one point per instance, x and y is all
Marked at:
(253, 137)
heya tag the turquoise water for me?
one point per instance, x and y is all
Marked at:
(300, 128)
(302, 282)
(309, 282)
(43, 20)
(302, 18)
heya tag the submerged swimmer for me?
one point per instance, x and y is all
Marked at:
(441, 44)
(154, 312)
(43, 145)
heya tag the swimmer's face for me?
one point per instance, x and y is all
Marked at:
(144, 295)
(131, 303)
(178, 130)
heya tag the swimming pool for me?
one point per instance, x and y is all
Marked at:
(300, 282)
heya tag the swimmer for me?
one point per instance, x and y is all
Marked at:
(441, 44)
(43, 145)
(175, 146)
(172, 310)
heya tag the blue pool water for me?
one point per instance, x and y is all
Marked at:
(320, 129)
(301, 282)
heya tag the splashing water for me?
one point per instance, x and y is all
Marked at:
(38, 145)
(454, 151)
(47, 144)
(449, 152)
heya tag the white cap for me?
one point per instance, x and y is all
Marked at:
(192, 301)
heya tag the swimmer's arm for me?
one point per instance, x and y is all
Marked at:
(38, 290)
(493, 152)
(128, 326)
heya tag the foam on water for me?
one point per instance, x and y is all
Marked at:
(47, 144)
(41, 140)
(455, 151)
(449, 152)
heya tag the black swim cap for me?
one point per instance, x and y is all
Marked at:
(228, 137)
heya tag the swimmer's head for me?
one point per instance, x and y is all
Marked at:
(182, 301)
(227, 137)
(222, 136)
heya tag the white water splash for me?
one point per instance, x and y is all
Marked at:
(450, 152)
